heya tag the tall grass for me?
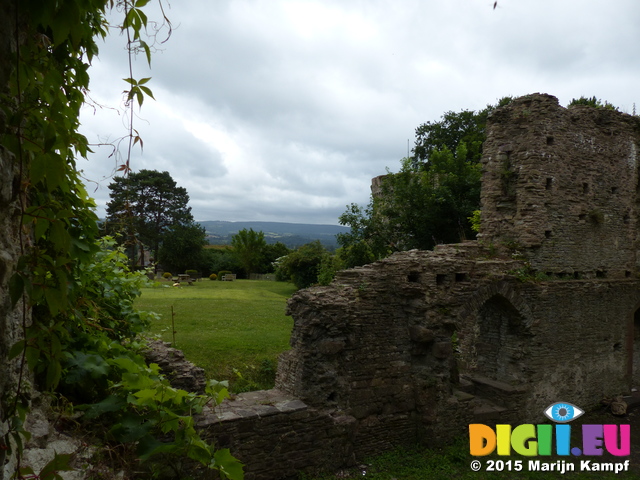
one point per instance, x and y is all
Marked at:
(234, 330)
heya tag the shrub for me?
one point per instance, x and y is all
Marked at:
(303, 265)
(213, 276)
(191, 273)
(167, 275)
(222, 273)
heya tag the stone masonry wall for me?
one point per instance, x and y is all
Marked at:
(561, 183)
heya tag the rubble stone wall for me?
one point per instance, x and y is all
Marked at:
(561, 184)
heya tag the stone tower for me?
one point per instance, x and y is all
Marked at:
(560, 185)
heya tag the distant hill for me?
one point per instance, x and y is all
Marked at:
(291, 234)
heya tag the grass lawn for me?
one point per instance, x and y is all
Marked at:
(234, 330)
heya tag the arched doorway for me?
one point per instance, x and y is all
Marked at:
(501, 341)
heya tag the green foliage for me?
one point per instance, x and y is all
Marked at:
(144, 206)
(466, 127)
(329, 266)
(59, 463)
(431, 200)
(104, 368)
(191, 273)
(303, 265)
(249, 247)
(271, 253)
(213, 276)
(167, 275)
(365, 243)
(593, 102)
(255, 377)
(215, 260)
(474, 220)
(81, 338)
(418, 208)
(182, 247)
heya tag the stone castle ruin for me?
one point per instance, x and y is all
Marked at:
(543, 307)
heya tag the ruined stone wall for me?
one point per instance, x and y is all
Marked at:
(10, 318)
(561, 183)
(417, 346)
(581, 340)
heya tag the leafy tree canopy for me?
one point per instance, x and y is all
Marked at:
(249, 247)
(303, 265)
(432, 197)
(144, 205)
(182, 248)
(466, 126)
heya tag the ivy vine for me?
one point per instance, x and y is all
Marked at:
(79, 328)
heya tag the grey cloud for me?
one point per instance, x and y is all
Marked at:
(307, 106)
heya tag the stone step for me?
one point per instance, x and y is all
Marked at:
(463, 396)
(466, 385)
(499, 392)
(487, 412)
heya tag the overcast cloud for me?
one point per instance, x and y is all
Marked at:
(284, 110)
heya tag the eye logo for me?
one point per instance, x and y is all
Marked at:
(562, 412)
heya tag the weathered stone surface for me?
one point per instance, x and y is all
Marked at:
(562, 184)
(180, 372)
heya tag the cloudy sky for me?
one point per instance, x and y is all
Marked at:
(278, 110)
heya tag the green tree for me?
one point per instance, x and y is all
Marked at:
(216, 260)
(182, 248)
(271, 253)
(143, 206)
(303, 265)
(454, 128)
(432, 197)
(420, 208)
(248, 247)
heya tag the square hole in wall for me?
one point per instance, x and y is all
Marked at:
(601, 274)
(614, 190)
(549, 183)
(413, 277)
(461, 277)
(585, 188)
(547, 234)
(550, 140)
(441, 278)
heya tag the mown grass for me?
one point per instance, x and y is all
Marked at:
(234, 330)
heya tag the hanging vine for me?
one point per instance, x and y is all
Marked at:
(79, 327)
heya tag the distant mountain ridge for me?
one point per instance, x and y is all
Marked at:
(291, 234)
